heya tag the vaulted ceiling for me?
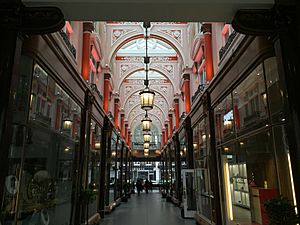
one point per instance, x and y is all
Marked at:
(168, 50)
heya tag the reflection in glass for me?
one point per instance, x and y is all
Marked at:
(46, 167)
(250, 102)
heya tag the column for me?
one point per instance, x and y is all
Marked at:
(187, 95)
(167, 133)
(116, 112)
(106, 91)
(126, 133)
(122, 125)
(129, 138)
(176, 106)
(163, 139)
(104, 150)
(121, 169)
(171, 123)
(206, 29)
(86, 50)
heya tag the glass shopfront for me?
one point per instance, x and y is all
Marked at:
(254, 157)
(41, 159)
(94, 166)
(204, 193)
(113, 171)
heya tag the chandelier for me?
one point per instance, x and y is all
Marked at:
(147, 95)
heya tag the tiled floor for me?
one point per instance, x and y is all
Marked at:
(146, 209)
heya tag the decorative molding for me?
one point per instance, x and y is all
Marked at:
(116, 34)
(141, 58)
(126, 67)
(176, 34)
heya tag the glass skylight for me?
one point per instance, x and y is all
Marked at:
(151, 75)
(155, 48)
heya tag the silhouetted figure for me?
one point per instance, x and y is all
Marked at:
(139, 186)
(147, 186)
(150, 186)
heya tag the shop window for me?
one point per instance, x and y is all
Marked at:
(249, 178)
(250, 102)
(275, 93)
(224, 120)
(94, 166)
(204, 193)
(113, 169)
(45, 163)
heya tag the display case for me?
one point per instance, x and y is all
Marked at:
(239, 183)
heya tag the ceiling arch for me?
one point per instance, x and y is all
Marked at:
(139, 90)
(130, 122)
(173, 44)
(134, 70)
(155, 107)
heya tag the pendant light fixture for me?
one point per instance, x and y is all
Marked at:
(146, 145)
(147, 95)
(147, 137)
(146, 123)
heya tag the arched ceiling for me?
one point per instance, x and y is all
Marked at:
(136, 120)
(128, 48)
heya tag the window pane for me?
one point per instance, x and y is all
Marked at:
(224, 126)
(249, 178)
(250, 102)
(275, 94)
(47, 169)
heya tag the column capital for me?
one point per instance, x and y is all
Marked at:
(116, 100)
(107, 76)
(186, 76)
(206, 28)
(88, 26)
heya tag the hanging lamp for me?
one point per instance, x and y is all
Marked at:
(146, 123)
(147, 137)
(147, 95)
(146, 145)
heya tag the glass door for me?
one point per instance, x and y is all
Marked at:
(188, 193)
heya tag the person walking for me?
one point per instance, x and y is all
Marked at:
(147, 186)
(139, 186)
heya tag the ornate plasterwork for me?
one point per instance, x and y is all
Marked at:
(134, 121)
(176, 34)
(124, 68)
(116, 34)
(141, 81)
(167, 68)
(124, 23)
(141, 58)
(133, 97)
(136, 109)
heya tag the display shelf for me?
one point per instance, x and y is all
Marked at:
(240, 189)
